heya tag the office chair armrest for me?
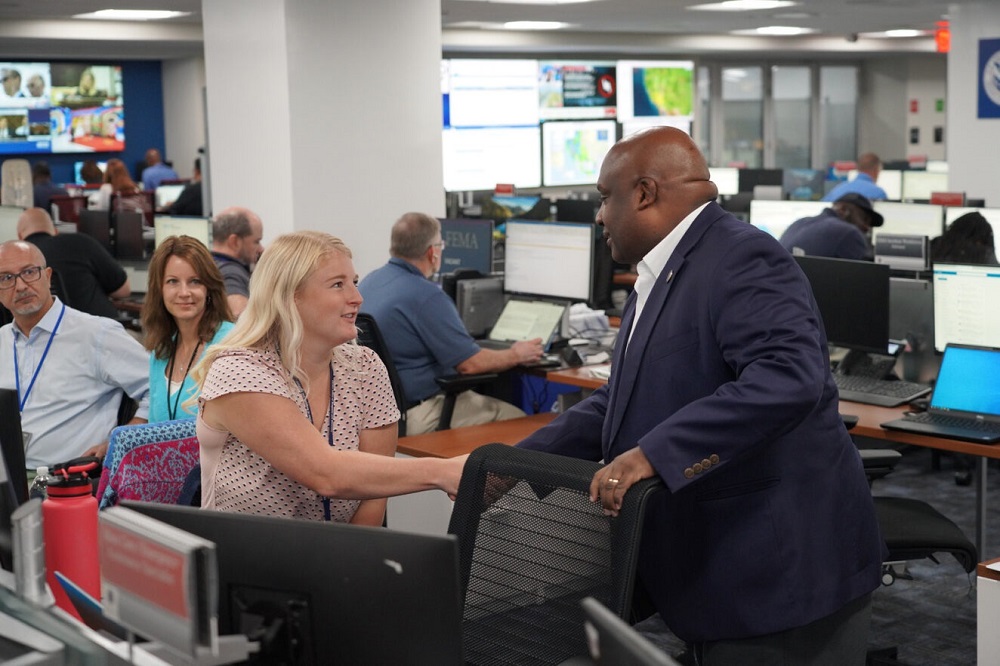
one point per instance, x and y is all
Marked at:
(879, 462)
(458, 383)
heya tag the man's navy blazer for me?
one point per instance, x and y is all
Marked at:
(725, 385)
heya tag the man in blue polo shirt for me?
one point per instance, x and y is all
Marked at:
(425, 335)
(869, 166)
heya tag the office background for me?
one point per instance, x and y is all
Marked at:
(323, 115)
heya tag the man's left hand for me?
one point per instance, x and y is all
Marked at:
(98, 451)
(612, 481)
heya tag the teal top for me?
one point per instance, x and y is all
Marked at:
(160, 398)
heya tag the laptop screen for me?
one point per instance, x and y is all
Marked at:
(527, 320)
(969, 381)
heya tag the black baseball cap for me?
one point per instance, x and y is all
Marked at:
(862, 202)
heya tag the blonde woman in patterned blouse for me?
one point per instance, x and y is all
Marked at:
(294, 419)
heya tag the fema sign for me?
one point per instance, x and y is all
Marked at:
(989, 78)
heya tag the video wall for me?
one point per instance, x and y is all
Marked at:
(61, 107)
(534, 123)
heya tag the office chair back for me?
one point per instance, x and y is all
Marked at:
(66, 208)
(532, 546)
(16, 186)
(370, 336)
(150, 462)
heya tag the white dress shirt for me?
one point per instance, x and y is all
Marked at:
(74, 401)
(652, 264)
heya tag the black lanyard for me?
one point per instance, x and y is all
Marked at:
(329, 429)
(172, 408)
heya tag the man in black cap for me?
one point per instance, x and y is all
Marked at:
(842, 231)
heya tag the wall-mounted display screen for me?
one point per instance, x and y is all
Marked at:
(479, 158)
(656, 89)
(572, 151)
(61, 107)
(577, 89)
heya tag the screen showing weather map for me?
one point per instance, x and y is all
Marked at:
(572, 151)
(576, 89)
(654, 89)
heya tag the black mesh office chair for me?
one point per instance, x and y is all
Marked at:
(531, 546)
(370, 336)
(912, 530)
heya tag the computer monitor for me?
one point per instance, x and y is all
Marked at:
(604, 265)
(804, 184)
(468, 245)
(909, 219)
(572, 150)
(727, 179)
(128, 241)
(97, 225)
(330, 592)
(167, 194)
(965, 311)
(13, 479)
(775, 217)
(853, 300)
(199, 228)
(8, 222)
(992, 216)
(549, 259)
(751, 178)
(918, 185)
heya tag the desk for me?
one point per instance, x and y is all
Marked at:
(429, 512)
(869, 419)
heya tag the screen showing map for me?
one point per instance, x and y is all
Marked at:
(649, 89)
(572, 151)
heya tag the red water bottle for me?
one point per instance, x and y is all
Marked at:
(69, 527)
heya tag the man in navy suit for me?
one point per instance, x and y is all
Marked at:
(766, 549)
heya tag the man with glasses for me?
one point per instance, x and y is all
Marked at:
(11, 82)
(69, 369)
(425, 334)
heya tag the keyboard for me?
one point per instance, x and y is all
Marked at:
(945, 425)
(880, 392)
(943, 420)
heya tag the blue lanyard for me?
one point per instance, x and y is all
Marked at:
(329, 430)
(17, 371)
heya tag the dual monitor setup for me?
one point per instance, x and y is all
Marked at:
(865, 309)
(485, 261)
(125, 235)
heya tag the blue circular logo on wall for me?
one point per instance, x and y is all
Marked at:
(991, 78)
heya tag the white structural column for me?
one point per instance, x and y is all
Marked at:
(326, 115)
(973, 161)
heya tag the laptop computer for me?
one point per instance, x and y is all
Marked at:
(965, 404)
(525, 320)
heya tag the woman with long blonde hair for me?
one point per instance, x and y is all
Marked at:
(294, 419)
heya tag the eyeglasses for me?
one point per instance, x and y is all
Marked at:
(440, 244)
(29, 274)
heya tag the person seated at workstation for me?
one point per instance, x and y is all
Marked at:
(87, 270)
(721, 386)
(116, 182)
(44, 188)
(71, 370)
(188, 202)
(842, 231)
(156, 171)
(185, 312)
(869, 167)
(236, 246)
(295, 419)
(425, 335)
(967, 240)
(91, 173)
